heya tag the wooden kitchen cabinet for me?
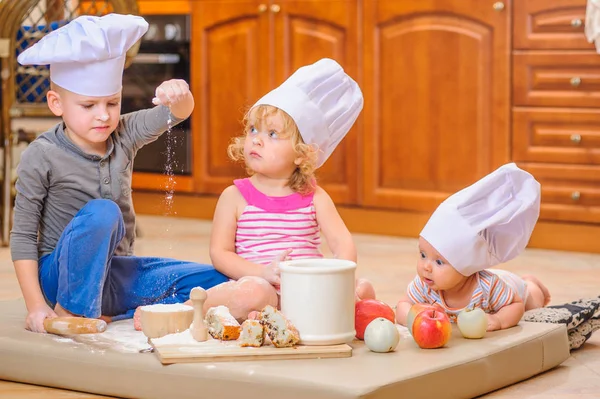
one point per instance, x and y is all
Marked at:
(556, 108)
(240, 51)
(453, 89)
(229, 53)
(437, 98)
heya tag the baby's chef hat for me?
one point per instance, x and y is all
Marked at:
(487, 223)
(323, 101)
(87, 56)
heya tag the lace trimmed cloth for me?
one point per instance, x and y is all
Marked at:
(582, 318)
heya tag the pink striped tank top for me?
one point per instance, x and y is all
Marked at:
(270, 225)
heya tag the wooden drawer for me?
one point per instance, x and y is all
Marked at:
(556, 135)
(544, 24)
(570, 193)
(564, 79)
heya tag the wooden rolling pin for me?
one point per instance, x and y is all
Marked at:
(74, 325)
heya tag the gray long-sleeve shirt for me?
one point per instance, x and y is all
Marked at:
(56, 179)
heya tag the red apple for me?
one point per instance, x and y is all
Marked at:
(416, 309)
(366, 310)
(431, 329)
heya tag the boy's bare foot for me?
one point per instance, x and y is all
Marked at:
(364, 289)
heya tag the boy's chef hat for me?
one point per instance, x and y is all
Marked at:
(487, 223)
(87, 56)
(323, 101)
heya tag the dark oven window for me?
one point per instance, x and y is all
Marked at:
(164, 54)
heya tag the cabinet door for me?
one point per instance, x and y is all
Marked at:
(436, 83)
(230, 71)
(304, 32)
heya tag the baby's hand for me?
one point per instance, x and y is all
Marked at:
(493, 322)
(271, 272)
(35, 318)
(171, 92)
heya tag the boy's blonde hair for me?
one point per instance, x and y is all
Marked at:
(303, 179)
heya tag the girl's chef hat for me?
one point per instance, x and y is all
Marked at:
(323, 101)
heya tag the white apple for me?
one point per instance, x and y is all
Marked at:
(381, 335)
(472, 323)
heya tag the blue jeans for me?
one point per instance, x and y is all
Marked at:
(84, 276)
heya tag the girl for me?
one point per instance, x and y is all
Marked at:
(485, 224)
(279, 211)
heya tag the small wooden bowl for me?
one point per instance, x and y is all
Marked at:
(160, 319)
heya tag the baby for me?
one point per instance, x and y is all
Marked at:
(487, 223)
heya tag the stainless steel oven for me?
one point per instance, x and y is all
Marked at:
(164, 54)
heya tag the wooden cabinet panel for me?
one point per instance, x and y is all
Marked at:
(570, 193)
(230, 72)
(556, 24)
(436, 83)
(561, 135)
(304, 32)
(557, 79)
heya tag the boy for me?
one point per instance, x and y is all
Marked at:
(74, 222)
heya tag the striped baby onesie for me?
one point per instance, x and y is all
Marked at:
(270, 225)
(491, 294)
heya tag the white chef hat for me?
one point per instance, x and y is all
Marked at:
(323, 101)
(87, 56)
(487, 223)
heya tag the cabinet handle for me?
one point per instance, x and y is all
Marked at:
(575, 195)
(275, 8)
(262, 8)
(498, 6)
(576, 138)
(576, 81)
(576, 22)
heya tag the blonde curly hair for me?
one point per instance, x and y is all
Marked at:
(303, 179)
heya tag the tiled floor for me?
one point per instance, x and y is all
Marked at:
(389, 263)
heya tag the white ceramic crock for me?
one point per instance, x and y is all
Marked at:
(317, 296)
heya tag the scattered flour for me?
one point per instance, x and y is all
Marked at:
(175, 307)
(180, 338)
(119, 336)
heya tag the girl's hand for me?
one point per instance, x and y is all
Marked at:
(271, 272)
(493, 322)
(171, 92)
(35, 318)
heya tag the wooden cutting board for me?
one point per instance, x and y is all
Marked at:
(227, 351)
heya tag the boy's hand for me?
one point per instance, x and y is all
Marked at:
(35, 318)
(172, 92)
